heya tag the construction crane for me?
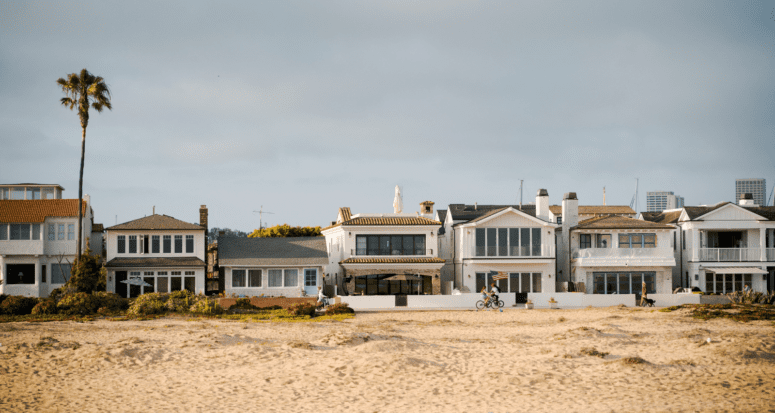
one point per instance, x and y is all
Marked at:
(261, 213)
(634, 201)
(769, 200)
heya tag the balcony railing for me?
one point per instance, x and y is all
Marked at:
(530, 251)
(624, 253)
(360, 252)
(730, 254)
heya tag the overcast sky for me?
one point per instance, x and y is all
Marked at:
(307, 106)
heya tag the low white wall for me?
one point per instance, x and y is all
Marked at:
(453, 301)
(667, 300)
(364, 302)
(608, 300)
(581, 300)
(27, 290)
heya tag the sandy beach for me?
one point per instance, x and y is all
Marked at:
(441, 361)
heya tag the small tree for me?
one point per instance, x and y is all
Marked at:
(88, 274)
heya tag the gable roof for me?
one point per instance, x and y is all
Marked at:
(765, 211)
(694, 212)
(596, 209)
(155, 222)
(97, 228)
(272, 251)
(619, 222)
(442, 214)
(388, 220)
(463, 212)
(37, 210)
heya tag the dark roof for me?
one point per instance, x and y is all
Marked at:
(462, 212)
(97, 228)
(38, 209)
(670, 217)
(695, 212)
(442, 214)
(597, 209)
(155, 262)
(619, 222)
(272, 251)
(156, 222)
(389, 260)
(765, 211)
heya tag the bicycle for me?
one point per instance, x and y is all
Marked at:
(490, 304)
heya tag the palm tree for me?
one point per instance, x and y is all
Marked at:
(83, 90)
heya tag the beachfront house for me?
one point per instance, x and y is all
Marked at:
(272, 267)
(384, 253)
(511, 242)
(616, 254)
(157, 253)
(724, 247)
(38, 238)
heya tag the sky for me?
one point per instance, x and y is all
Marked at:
(303, 107)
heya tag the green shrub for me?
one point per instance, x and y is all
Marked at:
(3, 297)
(206, 306)
(146, 304)
(341, 308)
(57, 293)
(45, 306)
(243, 304)
(111, 301)
(182, 294)
(303, 309)
(78, 304)
(17, 305)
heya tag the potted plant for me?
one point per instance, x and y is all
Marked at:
(529, 304)
(552, 303)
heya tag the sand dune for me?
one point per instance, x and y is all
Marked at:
(615, 359)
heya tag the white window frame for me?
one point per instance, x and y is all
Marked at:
(315, 275)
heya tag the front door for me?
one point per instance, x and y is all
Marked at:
(121, 287)
(769, 280)
(311, 282)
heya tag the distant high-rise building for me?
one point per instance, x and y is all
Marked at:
(755, 187)
(661, 200)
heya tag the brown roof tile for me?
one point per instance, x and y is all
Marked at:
(390, 260)
(37, 210)
(387, 221)
(97, 228)
(663, 217)
(156, 222)
(619, 222)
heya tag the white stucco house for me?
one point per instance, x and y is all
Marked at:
(384, 253)
(723, 247)
(288, 267)
(166, 253)
(510, 241)
(38, 241)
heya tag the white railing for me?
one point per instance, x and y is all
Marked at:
(770, 254)
(730, 254)
(364, 253)
(618, 253)
(546, 251)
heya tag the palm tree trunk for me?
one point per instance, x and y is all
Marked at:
(80, 198)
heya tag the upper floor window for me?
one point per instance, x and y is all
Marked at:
(585, 241)
(121, 244)
(559, 220)
(598, 240)
(61, 232)
(21, 232)
(189, 244)
(513, 242)
(155, 244)
(133, 244)
(178, 244)
(390, 245)
(71, 231)
(4, 193)
(33, 193)
(637, 240)
(51, 232)
(167, 244)
(17, 193)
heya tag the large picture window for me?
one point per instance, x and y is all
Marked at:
(500, 242)
(390, 245)
(525, 282)
(237, 278)
(624, 282)
(291, 278)
(254, 278)
(60, 273)
(726, 283)
(637, 240)
(20, 274)
(275, 278)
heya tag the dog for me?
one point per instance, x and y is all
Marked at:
(648, 302)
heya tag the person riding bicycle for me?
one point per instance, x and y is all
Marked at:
(494, 292)
(485, 296)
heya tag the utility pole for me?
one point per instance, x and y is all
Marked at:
(261, 213)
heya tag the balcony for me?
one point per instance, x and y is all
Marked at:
(770, 254)
(624, 256)
(362, 252)
(732, 254)
(533, 251)
(21, 247)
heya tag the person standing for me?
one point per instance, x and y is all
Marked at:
(643, 294)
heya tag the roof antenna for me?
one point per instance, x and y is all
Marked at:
(603, 195)
(520, 193)
(154, 209)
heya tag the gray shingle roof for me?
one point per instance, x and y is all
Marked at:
(155, 262)
(462, 212)
(155, 222)
(619, 222)
(272, 251)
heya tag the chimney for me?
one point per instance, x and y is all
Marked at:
(747, 200)
(203, 217)
(542, 205)
(426, 208)
(570, 210)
